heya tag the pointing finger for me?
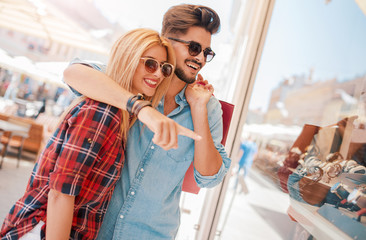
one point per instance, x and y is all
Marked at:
(188, 133)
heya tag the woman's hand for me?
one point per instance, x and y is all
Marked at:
(165, 130)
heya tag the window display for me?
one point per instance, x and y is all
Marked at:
(326, 168)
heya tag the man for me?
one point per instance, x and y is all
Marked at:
(248, 150)
(145, 203)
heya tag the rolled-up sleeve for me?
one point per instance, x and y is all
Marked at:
(86, 132)
(216, 128)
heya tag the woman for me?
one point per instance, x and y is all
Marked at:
(74, 177)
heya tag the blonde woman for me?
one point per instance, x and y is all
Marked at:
(73, 180)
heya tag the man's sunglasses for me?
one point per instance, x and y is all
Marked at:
(195, 48)
(152, 65)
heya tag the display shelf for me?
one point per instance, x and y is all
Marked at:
(307, 216)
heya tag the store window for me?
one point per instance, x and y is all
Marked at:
(300, 168)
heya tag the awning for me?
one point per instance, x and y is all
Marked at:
(34, 18)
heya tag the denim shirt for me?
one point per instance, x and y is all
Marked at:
(145, 202)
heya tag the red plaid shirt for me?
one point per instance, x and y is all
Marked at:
(84, 158)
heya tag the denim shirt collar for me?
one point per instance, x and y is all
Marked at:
(180, 98)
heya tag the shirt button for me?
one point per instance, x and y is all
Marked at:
(152, 147)
(141, 170)
(89, 140)
(132, 193)
(121, 216)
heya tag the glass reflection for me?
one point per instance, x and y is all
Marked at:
(307, 118)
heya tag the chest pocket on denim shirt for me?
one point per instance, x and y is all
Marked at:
(185, 150)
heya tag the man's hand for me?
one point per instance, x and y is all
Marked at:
(165, 130)
(207, 161)
(198, 93)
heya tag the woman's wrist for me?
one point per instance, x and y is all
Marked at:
(139, 105)
(135, 103)
(131, 102)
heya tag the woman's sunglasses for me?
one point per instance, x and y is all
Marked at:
(152, 65)
(195, 48)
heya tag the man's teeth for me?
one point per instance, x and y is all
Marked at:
(150, 82)
(192, 66)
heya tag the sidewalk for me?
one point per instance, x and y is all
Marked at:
(13, 182)
(259, 214)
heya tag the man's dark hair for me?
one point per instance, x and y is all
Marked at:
(179, 18)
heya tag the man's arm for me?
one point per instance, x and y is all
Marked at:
(60, 209)
(207, 159)
(98, 86)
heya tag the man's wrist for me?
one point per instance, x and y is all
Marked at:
(199, 109)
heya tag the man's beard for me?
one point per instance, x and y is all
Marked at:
(182, 76)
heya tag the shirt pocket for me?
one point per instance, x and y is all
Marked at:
(185, 150)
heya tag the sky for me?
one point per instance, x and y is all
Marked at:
(329, 38)
(303, 35)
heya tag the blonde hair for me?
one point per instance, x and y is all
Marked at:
(123, 61)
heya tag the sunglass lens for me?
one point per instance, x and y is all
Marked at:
(167, 70)
(209, 54)
(194, 48)
(151, 65)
